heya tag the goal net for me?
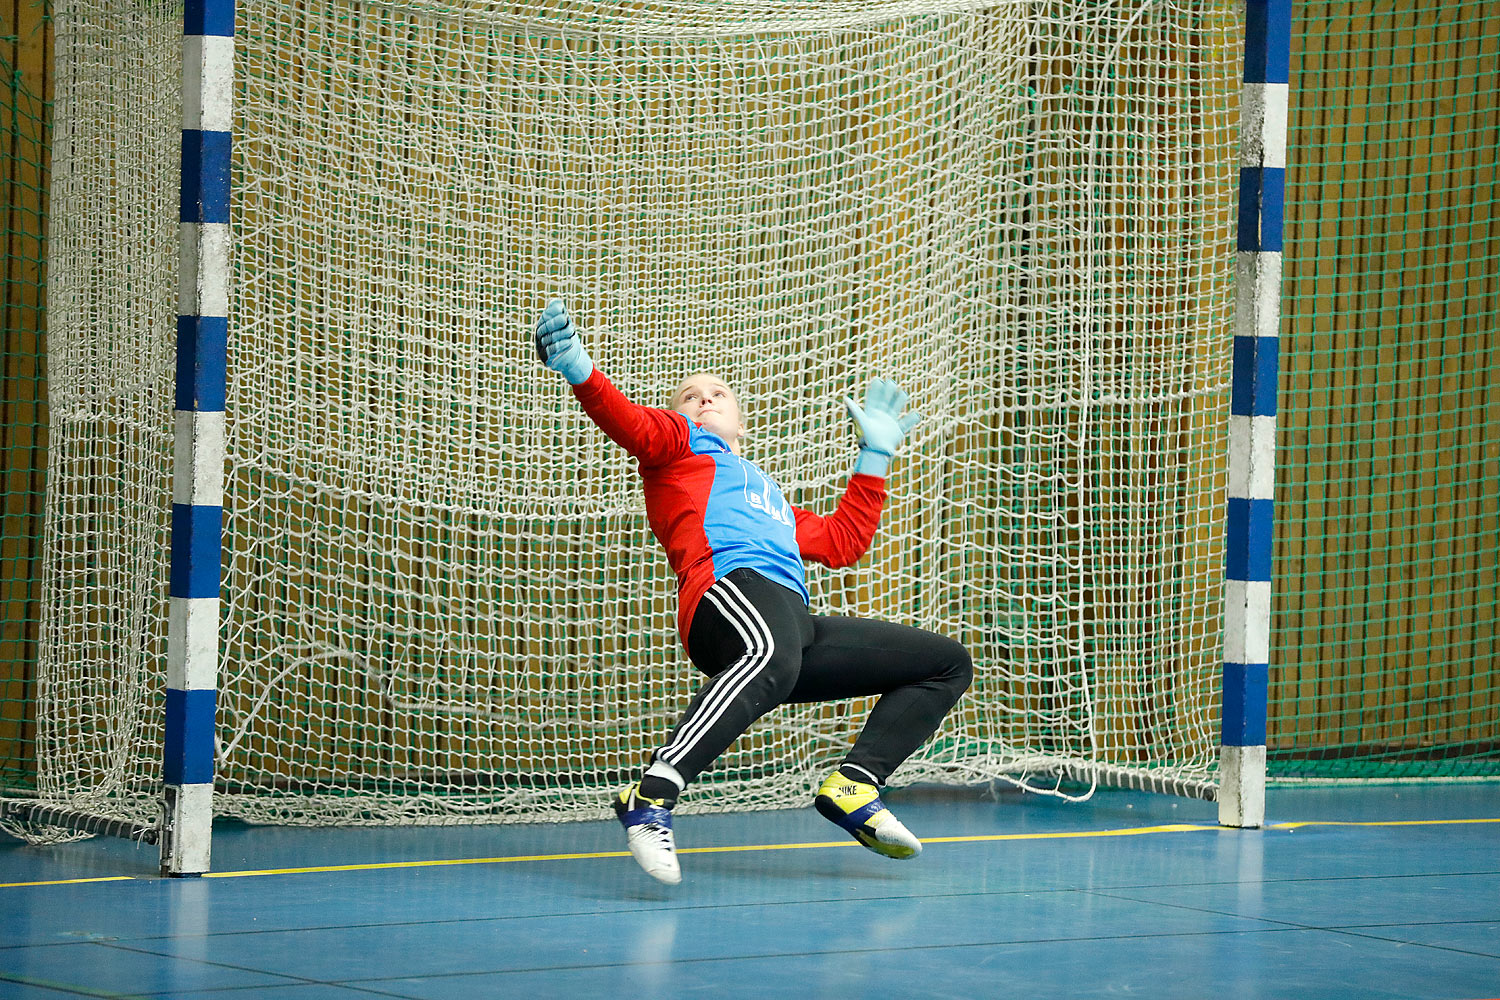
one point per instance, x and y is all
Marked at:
(442, 601)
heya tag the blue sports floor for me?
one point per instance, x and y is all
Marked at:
(1388, 891)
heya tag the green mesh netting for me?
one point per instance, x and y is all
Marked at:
(1389, 505)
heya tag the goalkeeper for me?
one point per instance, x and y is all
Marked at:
(738, 549)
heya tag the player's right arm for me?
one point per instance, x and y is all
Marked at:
(652, 436)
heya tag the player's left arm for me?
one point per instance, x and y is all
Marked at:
(843, 537)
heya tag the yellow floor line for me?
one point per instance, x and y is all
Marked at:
(736, 848)
(70, 881)
(1379, 822)
(1138, 831)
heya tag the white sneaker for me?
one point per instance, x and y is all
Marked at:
(648, 831)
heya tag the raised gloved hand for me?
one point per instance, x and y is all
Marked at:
(558, 345)
(882, 426)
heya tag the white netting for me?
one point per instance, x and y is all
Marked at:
(442, 598)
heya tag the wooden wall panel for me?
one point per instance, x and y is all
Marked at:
(1389, 491)
(25, 94)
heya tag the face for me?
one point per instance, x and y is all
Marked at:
(708, 401)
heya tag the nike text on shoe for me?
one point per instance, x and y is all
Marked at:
(856, 807)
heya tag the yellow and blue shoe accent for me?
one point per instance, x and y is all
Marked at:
(857, 808)
(648, 833)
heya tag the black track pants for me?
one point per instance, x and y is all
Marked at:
(761, 648)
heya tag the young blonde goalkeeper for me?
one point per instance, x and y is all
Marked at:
(738, 549)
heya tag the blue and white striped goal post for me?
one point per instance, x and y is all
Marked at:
(198, 464)
(1252, 420)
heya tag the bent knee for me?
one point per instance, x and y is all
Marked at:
(960, 671)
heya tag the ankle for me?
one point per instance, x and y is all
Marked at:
(659, 790)
(856, 773)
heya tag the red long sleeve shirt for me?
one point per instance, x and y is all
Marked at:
(715, 512)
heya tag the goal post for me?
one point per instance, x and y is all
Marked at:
(1252, 421)
(201, 381)
(438, 600)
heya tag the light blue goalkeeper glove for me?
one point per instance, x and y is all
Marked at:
(881, 426)
(558, 345)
